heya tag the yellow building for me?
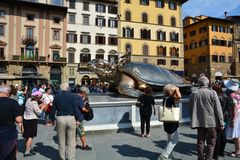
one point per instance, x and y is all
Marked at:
(32, 40)
(152, 30)
(208, 47)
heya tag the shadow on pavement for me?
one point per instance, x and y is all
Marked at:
(130, 151)
(47, 151)
(182, 147)
(21, 145)
(194, 136)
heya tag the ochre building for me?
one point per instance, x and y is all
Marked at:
(152, 30)
(207, 47)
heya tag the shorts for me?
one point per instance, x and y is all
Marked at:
(80, 130)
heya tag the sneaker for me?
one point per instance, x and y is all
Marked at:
(87, 148)
(28, 153)
(162, 158)
(148, 135)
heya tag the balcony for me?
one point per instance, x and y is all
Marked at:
(27, 40)
(60, 59)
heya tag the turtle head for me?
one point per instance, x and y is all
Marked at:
(101, 67)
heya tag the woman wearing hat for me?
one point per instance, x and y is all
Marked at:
(147, 102)
(31, 113)
(233, 106)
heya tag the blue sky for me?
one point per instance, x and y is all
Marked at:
(214, 8)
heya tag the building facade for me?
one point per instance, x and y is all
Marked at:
(208, 47)
(236, 45)
(152, 31)
(33, 39)
(91, 33)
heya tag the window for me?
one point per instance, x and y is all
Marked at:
(100, 8)
(112, 58)
(85, 19)
(112, 23)
(86, 6)
(185, 47)
(202, 29)
(202, 59)
(215, 41)
(144, 2)
(174, 52)
(1, 30)
(174, 62)
(128, 32)
(161, 35)
(100, 22)
(128, 16)
(56, 35)
(222, 59)
(112, 9)
(193, 45)
(161, 51)
(71, 18)
(112, 40)
(215, 28)
(192, 33)
(145, 50)
(30, 17)
(29, 33)
(172, 6)
(128, 47)
(173, 21)
(203, 42)
(71, 57)
(174, 37)
(214, 58)
(144, 18)
(2, 13)
(221, 29)
(161, 62)
(230, 43)
(72, 4)
(160, 20)
(185, 35)
(71, 38)
(85, 39)
(2, 53)
(57, 2)
(85, 57)
(56, 20)
(145, 34)
(55, 55)
(159, 3)
(99, 56)
(100, 40)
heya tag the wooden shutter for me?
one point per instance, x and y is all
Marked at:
(164, 36)
(67, 38)
(123, 30)
(149, 34)
(104, 22)
(132, 32)
(96, 21)
(81, 38)
(89, 39)
(177, 37)
(75, 38)
(104, 41)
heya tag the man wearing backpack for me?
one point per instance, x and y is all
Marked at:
(82, 94)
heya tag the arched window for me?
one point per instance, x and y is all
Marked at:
(128, 16)
(161, 35)
(161, 51)
(29, 52)
(173, 21)
(193, 44)
(174, 52)
(160, 20)
(145, 34)
(144, 18)
(145, 50)
(128, 47)
(174, 37)
(128, 32)
(29, 70)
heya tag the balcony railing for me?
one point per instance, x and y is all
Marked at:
(29, 40)
(60, 59)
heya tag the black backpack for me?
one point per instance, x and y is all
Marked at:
(88, 116)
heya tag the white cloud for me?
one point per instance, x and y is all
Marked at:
(215, 8)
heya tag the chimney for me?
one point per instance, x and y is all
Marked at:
(225, 14)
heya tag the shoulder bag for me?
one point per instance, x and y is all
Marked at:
(168, 114)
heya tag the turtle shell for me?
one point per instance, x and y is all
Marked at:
(152, 74)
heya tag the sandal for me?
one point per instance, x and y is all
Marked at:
(234, 154)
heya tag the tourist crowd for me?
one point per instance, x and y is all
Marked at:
(214, 112)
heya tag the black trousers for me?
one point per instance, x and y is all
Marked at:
(220, 144)
(145, 119)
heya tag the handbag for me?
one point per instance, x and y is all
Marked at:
(139, 102)
(88, 116)
(168, 114)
